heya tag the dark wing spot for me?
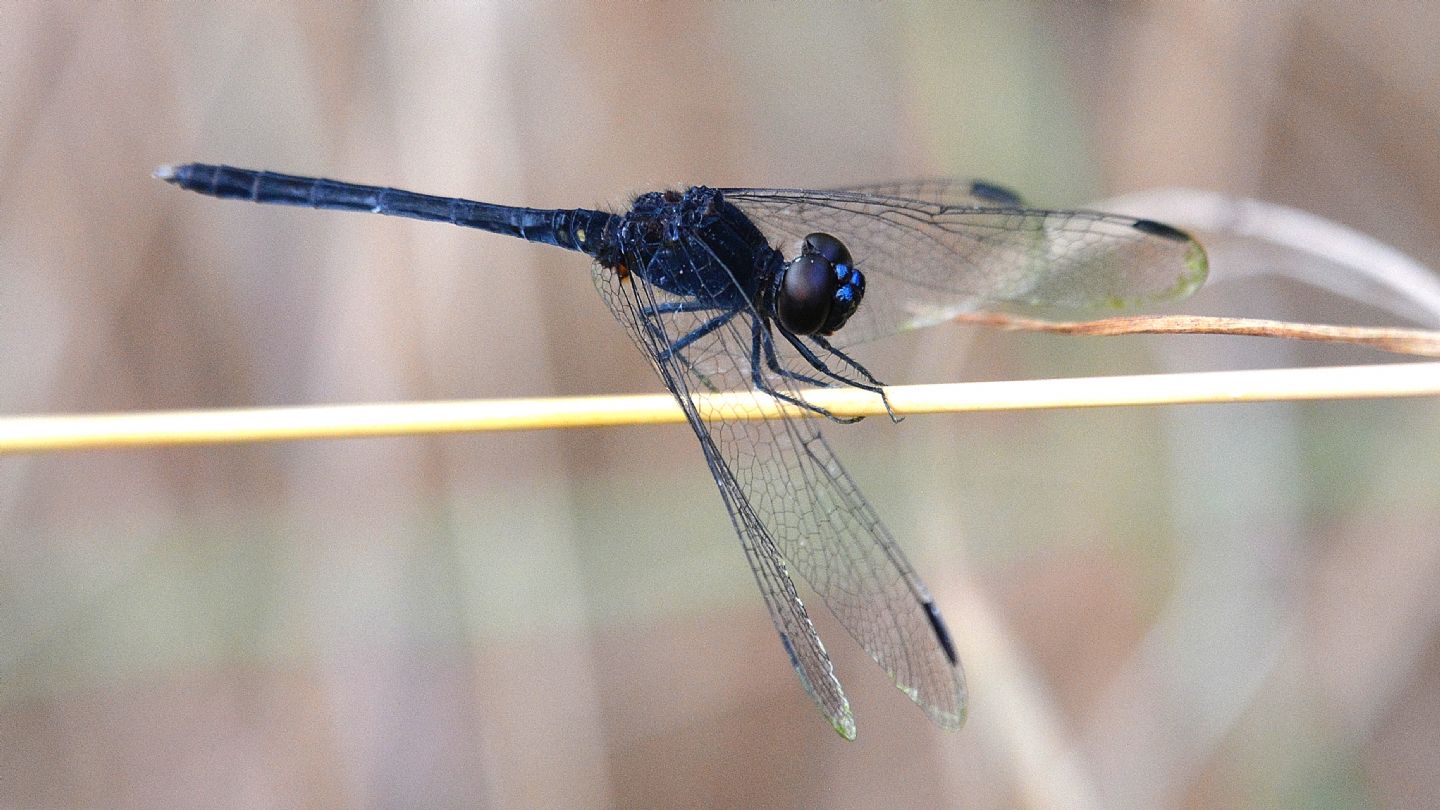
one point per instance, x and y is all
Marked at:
(933, 614)
(1161, 230)
(991, 193)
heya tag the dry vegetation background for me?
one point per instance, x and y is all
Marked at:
(1194, 607)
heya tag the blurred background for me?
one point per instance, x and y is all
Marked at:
(1167, 607)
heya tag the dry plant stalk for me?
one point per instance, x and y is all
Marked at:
(32, 434)
(1419, 342)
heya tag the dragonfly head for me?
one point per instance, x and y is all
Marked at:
(818, 291)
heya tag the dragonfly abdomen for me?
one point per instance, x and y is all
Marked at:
(574, 229)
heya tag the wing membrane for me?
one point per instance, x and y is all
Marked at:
(947, 191)
(949, 250)
(793, 505)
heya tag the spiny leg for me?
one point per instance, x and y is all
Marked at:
(695, 334)
(872, 384)
(772, 362)
(670, 307)
(650, 312)
(848, 360)
(758, 334)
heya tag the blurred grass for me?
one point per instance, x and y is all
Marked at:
(1229, 609)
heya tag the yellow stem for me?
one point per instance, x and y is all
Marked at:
(31, 434)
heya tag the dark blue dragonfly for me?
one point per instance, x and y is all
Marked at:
(761, 290)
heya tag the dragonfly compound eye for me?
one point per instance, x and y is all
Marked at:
(820, 288)
(828, 247)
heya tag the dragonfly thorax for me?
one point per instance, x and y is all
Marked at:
(696, 244)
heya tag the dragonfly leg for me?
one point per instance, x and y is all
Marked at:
(761, 342)
(870, 384)
(670, 307)
(695, 334)
(772, 362)
(847, 359)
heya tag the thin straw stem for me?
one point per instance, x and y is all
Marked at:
(31, 434)
(1421, 342)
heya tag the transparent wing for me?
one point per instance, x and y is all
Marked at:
(957, 246)
(792, 504)
(948, 191)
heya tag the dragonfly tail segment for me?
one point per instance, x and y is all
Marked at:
(577, 229)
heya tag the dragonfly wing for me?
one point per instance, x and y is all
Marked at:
(793, 505)
(948, 191)
(927, 260)
(705, 367)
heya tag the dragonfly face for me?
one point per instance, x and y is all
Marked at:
(820, 289)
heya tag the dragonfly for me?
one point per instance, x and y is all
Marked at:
(762, 291)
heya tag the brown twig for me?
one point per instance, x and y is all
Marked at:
(1421, 342)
